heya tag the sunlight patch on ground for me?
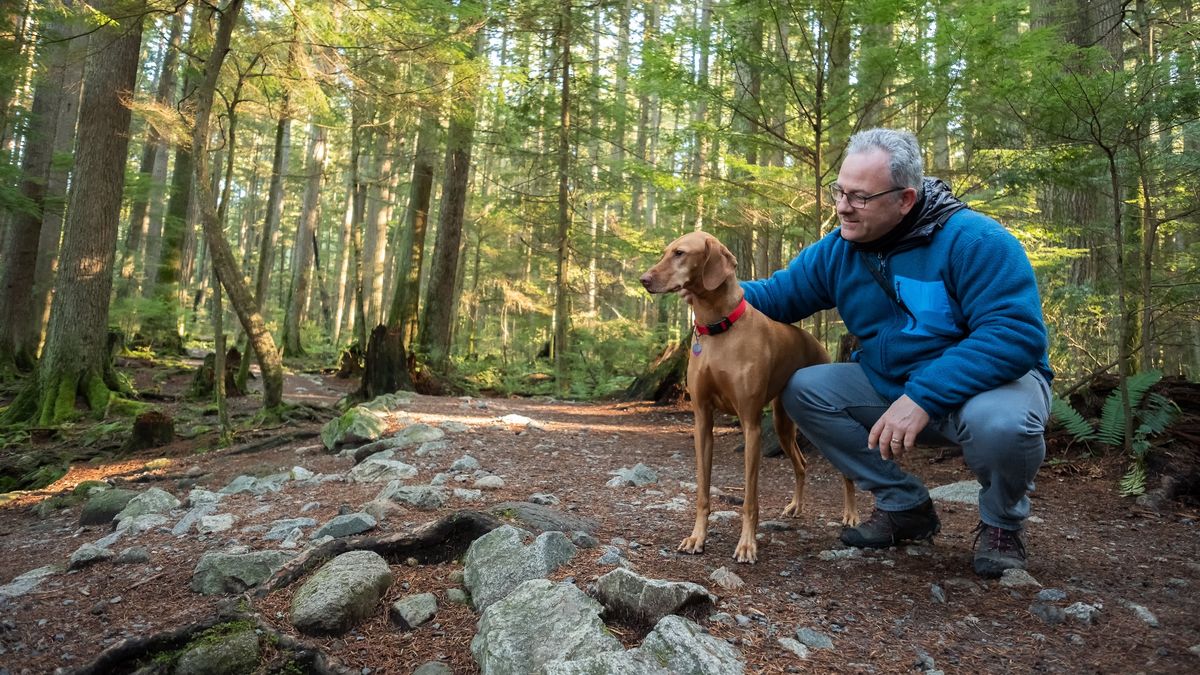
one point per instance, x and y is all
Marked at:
(77, 474)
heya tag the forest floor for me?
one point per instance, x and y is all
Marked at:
(881, 608)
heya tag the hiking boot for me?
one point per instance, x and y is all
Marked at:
(999, 550)
(888, 528)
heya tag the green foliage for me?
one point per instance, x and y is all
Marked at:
(1112, 418)
(1072, 421)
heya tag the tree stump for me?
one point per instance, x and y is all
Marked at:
(350, 363)
(203, 381)
(386, 365)
(151, 429)
(664, 381)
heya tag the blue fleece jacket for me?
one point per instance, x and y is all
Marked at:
(967, 316)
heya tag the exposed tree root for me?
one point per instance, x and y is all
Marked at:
(440, 541)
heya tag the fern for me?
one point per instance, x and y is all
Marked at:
(1071, 420)
(1112, 418)
(1158, 413)
(1133, 483)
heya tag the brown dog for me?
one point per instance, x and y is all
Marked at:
(740, 361)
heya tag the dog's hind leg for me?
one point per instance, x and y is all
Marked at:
(849, 504)
(785, 428)
(747, 546)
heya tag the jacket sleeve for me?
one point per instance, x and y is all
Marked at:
(1006, 336)
(798, 290)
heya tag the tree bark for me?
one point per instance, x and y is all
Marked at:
(303, 250)
(562, 236)
(76, 360)
(439, 310)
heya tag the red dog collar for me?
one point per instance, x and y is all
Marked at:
(724, 324)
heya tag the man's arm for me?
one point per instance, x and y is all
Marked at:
(796, 291)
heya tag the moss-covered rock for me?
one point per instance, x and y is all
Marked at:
(231, 648)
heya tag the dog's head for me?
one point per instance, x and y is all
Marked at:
(697, 262)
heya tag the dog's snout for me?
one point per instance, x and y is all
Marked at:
(646, 280)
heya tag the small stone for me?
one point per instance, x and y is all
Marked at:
(814, 639)
(726, 579)
(215, 523)
(545, 499)
(794, 647)
(1052, 615)
(722, 617)
(584, 540)
(465, 463)
(1083, 612)
(489, 483)
(457, 596)
(133, 555)
(1051, 595)
(1144, 614)
(1195, 650)
(938, 595)
(924, 661)
(612, 556)
(1015, 578)
(840, 554)
(414, 610)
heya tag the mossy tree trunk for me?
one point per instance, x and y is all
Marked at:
(76, 359)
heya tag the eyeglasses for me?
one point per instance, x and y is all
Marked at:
(857, 201)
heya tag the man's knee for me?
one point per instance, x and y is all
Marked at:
(996, 422)
(812, 387)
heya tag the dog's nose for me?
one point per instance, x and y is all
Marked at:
(646, 281)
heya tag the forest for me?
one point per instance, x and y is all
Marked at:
(486, 181)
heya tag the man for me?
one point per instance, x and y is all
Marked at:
(946, 307)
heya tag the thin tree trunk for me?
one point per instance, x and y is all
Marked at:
(411, 251)
(562, 237)
(303, 249)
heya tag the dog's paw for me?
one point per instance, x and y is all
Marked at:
(746, 553)
(792, 510)
(850, 519)
(693, 545)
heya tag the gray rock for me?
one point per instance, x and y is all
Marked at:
(499, 561)
(197, 497)
(1142, 613)
(192, 518)
(584, 540)
(419, 496)
(340, 594)
(152, 501)
(103, 506)
(962, 492)
(220, 522)
(726, 578)
(612, 556)
(345, 526)
(465, 463)
(489, 483)
(457, 596)
(132, 556)
(794, 646)
(389, 402)
(629, 594)
(356, 426)
(538, 624)
(384, 448)
(686, 649)
(1083, 612)
(840, 554)
(1052, 615)
(300, 473)
(431, 449)
(938, 595)
(1015, 578)
(418, 434)
(256, 486)
(1051, 595)
(379, 470)
(814, 639)
(139, 524)
(610, 663)
(468, 495)
(639, 476)
(219, 572)
(543, 498)
(1195, 650)
(413, 610)
(236, 652)
(543, 518)
(381, 509)
(433, 668)
(88, 554)
(280, 529)
(28, 581)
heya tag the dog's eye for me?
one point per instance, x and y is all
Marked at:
(678, 252)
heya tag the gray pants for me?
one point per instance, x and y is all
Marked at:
(1000, 432)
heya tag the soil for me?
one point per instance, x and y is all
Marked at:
(880, 608)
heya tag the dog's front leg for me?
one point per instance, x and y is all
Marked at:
(747, 547)
(702, 434)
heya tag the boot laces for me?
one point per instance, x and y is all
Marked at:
(999, 539)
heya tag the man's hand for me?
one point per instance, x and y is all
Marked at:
(896, 432)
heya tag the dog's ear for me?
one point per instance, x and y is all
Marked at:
(719, 263)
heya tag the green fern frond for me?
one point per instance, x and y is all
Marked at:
(1112, 418)
(1157, 414)
(1133, 483)
(1071, 420)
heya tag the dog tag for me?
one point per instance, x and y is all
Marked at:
(696, 348)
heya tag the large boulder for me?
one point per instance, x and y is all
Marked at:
(417, 496)
(543, 518)
(216, 653)
(346, 525)
(358, 425)
(538, 624)
(499, 561)
(103, 506)
(629, 594)
(684, 648)
(343, 592)
(219, 572)
(152, 501)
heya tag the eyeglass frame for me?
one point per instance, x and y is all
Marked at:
(835, 190)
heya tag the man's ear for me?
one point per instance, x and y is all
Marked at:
(719, 264)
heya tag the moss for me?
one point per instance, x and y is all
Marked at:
(84, 488)
(98, 394)
(124, 407)
(156, 464)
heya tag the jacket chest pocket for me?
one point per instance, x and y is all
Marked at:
(932, 311)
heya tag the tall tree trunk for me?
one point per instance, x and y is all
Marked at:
(403, 314)
(150, 192)
(18, 262)
(647, 102)
(439, 313)
(76, 360)
(562, 237)
(344, 289)
(303, 250)
(375, 246)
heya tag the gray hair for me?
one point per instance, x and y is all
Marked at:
(906, 165)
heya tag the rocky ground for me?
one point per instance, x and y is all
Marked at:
(1111, 588)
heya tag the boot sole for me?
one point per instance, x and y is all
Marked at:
(928, 537)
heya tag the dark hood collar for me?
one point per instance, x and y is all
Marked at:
(934, 207)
